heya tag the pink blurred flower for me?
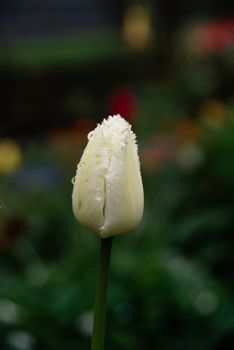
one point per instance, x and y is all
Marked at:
(157, 153)
(213, 37)
(218, 35)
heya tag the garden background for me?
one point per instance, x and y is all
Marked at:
(168, 68)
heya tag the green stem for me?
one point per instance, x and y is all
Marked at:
(101, 293)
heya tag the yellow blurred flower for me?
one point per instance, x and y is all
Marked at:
(214, 113)
(10, 156)
(137, 27)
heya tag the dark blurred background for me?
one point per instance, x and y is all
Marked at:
(168, 68)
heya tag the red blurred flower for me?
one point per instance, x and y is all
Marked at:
(123, 102)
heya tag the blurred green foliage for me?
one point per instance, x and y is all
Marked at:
(171, 282)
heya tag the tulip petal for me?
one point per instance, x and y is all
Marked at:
(124, 191)
(88, 193)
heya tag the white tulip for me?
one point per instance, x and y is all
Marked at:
(108, 193)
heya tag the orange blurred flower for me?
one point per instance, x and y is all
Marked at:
(69, 142)
(187, 131)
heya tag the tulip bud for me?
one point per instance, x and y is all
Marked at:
(108, 194)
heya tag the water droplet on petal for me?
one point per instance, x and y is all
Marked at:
(90, 134)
